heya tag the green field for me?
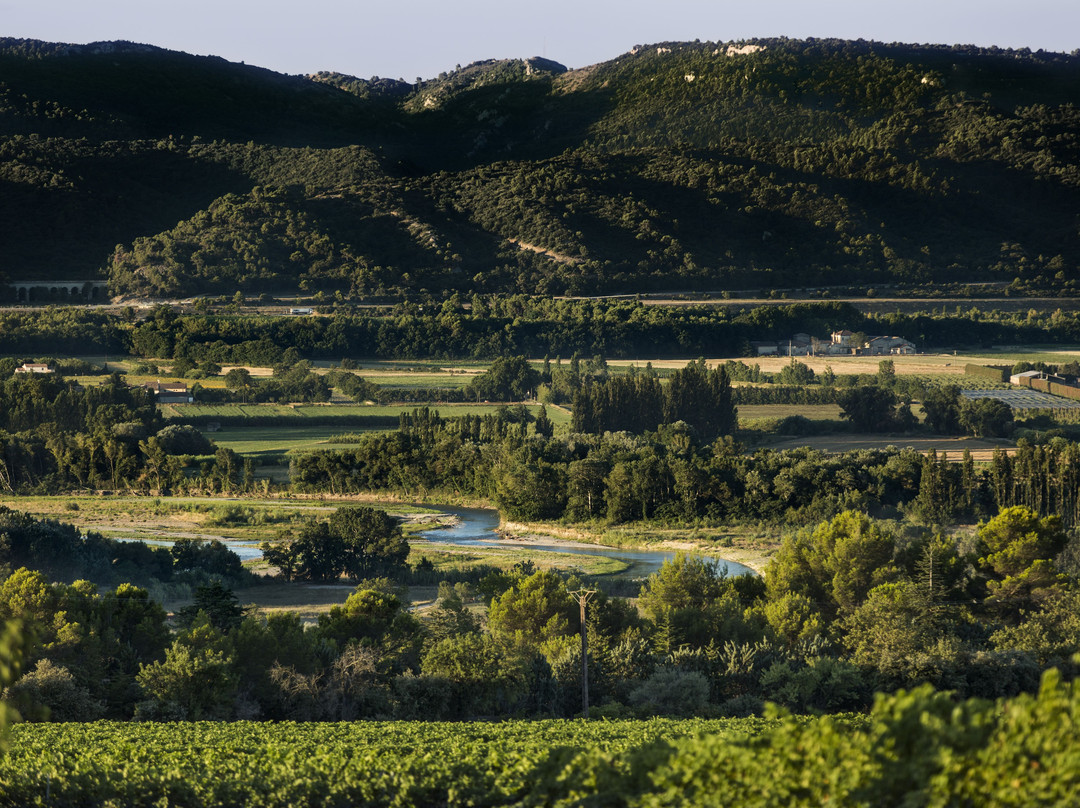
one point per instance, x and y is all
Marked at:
(366, 367)
(301, 437)
(1054, 354)
(406, 380)
(815, 412)
(181, 412)
(273, 440)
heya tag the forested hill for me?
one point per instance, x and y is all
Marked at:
(678, 166)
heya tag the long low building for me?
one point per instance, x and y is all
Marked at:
(34, 367)
(171, 392)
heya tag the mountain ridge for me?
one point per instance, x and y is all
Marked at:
(757, 163)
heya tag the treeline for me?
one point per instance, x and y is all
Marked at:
(125, 459)
(63, 331)
(784, 394)
(671, 474)
(638, 403)
(624, 329)
(31, 401)
(485, 327)
(482, 327)
(56, 435)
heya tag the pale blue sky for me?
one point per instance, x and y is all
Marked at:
(410, 38)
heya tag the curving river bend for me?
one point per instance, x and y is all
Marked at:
(477, 527)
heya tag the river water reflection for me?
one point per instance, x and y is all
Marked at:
(477, 526)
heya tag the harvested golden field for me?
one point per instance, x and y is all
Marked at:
(936, 364)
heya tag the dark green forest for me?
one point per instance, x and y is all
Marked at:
(672, 167)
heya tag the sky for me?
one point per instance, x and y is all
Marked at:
(421, 38)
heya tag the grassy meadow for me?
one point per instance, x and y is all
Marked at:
(815, 412)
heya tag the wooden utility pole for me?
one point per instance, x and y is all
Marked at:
(583, 596)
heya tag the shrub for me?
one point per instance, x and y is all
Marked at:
(670, 691)
(50, 693)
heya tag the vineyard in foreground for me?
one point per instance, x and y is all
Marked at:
(916, 748)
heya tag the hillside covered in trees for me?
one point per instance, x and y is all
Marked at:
(696, 166)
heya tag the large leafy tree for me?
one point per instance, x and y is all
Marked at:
(872, 409)
(893, 629)
(985, 417)
(375, 618)
(685, 582)
(482, 677)
(372, 541)
(195, 681)
(356, 541)
(694, 602)
(531, 490)
(536, 612)
(942, 407)
(836, 564)
(510, 378)
(1017, 550)
(320, 552)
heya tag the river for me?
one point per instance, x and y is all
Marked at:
(246, 552)
(477, 527)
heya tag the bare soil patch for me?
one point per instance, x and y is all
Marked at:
(252, 369)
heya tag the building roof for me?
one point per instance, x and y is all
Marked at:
(167, 387)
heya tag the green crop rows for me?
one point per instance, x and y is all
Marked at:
(263, 764)
(300, 412)
(915, 748)
(1021, 399)
(932, 380)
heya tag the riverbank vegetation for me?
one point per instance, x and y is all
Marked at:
(847, 607)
